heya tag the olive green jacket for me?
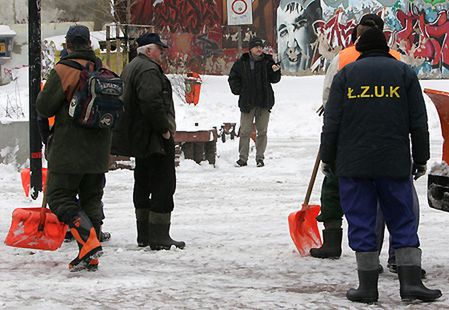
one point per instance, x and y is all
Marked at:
(149, 110)
(71, 148)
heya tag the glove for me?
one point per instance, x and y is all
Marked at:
(327, 169)
(418, 170)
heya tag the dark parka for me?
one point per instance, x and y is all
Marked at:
(71, 148)
(371, 115)
(253, 86)
(149, 110)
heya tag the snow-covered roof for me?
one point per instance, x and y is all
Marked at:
(5, 31)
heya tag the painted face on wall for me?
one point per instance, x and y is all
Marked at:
(295, 34)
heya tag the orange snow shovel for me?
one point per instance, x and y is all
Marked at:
(36, 228)
(303, 225)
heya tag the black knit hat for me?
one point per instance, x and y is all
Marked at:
(372, 39)
(255, 41)
(372, 20)
(78, 32)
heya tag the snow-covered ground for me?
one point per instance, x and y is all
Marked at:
(234, 220)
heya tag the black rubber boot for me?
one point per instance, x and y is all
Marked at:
(102, 235)
(367, 265)
(89, 246)
(142, 227)
(409, 273)
(331, 247)
(159, 232)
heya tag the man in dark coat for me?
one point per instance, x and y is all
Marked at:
(145, 131)
(368, 121)
(78, 157)
(250, 78)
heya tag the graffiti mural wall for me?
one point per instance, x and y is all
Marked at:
(304, 35)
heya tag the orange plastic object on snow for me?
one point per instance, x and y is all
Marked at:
(35, 228)
(193, 87)
(302, 224)
(25, 176)
(441, 101)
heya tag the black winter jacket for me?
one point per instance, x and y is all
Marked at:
(375, 106)
(253, 86)
(149, 110)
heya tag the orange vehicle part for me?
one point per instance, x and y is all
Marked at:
(441, 101)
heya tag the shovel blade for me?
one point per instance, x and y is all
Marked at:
(304, 229)
(24, 231)
(438, 192)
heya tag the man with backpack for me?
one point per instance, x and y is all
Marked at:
(145, 131)
(78, 155)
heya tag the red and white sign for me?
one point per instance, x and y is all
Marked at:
(240, 12)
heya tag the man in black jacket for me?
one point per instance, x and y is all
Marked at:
(368, 121)
(250, 78)
(145, 131)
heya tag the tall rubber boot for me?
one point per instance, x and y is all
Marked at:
(101, 235)
(409, 273)
(159, 236)
(367, 265)
(86, 237)
(143, 232)
(331, 247)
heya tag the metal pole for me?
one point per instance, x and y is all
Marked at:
(108, 46)
(34, 62)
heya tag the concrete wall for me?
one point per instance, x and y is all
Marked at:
(14, 142)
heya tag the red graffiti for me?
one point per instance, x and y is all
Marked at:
(335, 32)
(423, 39)
(187, 15)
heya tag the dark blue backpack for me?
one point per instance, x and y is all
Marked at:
(96, 100)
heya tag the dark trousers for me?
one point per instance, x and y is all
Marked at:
(155, 181)
(380, 226)
(62, 192)
(359, 199)
(330, 201)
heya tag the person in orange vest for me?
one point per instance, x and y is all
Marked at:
(375, 133)
(331, 212)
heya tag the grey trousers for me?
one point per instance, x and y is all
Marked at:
(261, 117)
(380, 227)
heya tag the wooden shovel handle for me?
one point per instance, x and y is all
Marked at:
(312, 179)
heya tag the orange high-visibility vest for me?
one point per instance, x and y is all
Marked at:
(350, 54)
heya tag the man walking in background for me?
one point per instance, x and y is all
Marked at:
(145, 131)
(250, 78)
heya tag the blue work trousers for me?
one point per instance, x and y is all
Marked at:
(359, 200)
